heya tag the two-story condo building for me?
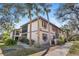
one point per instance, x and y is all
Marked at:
(43, 31)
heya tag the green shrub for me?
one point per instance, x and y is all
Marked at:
(61, 40)
(6, 36)
(24, 40)
(10, 42)
(74, 38)
(77, 38)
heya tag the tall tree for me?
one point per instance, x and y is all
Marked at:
(26, 9)
(69, 11)
(7, 18)
(37, 10)
(47, 9)
(66, 29)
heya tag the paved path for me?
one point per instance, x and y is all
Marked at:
(60, 51)
(42, 52)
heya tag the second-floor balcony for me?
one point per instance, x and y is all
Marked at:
(24, 30)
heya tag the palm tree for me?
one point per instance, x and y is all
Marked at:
(30, 28)
(37, 8)
(47, 9)
(26, 9)
(29, 10)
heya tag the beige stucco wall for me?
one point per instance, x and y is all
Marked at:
(46, 29)
(34, 32)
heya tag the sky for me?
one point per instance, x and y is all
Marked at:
(51, 16)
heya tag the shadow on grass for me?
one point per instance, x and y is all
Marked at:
(20, 51)
(17, 51)
(74, 50)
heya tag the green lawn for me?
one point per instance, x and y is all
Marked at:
(16, 52)
(1, 43)
(21, 52)
(74, 50)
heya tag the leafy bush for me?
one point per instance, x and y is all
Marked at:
(10, 42)
(61, 40)
(75, 38)
(6, 36)
(26, 41)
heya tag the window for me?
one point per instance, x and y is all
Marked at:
(44, 37)
(44, 24)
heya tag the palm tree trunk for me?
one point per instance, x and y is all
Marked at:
(67, 35)
(48, 29)
(30, 34)
(38, 31)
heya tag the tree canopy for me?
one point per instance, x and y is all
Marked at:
(69, 11)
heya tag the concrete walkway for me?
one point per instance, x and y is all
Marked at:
(60, 51)
(42, 52)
